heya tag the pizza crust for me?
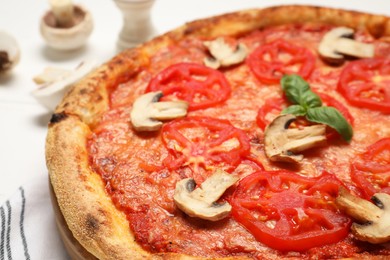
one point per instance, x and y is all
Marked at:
(88, 210)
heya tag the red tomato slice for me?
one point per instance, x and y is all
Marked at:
(254, 163)
(203, 142)
(366, 83)
(289, 212)
(324, 80)
(201, 86)
(248, 166)
(271, 61)
(271, 106)
(371, 172)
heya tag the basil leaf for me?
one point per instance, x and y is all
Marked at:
(298, 92)
(311, 99)
(333, 118)
(294, 86)
(296, 110)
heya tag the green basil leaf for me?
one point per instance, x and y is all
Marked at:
(311, 99)
(296, 110)
(333, 118)
(294, 86)
(306, 102)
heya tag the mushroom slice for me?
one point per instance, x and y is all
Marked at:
(9, 52)
(201, 202)
(281, 143)
(55, 82)
(147, 111)
(337, 42)
(223, 55)
(50, 75)
(373, 218)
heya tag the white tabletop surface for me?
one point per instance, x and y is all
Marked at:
(24, 121)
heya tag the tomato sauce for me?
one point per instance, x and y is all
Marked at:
(134, 168)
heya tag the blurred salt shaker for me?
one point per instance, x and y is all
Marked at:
(137, 23)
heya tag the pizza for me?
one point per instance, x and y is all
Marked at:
(259, 134)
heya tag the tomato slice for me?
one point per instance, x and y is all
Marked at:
(366, 83)
(271, 61)
(201, 86)
(289, 212)
(371, 172)
(203, 143)
(324, 79)
(271, 108)
(247, 166)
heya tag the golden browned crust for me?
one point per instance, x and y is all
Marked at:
(89, 212)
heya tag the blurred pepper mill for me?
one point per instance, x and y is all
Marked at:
(137, 23)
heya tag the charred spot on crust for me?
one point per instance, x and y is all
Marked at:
(92, 224)
(377, 30)
(104, 76)
(118, 61)
(197, 27)
(58, 117)
(98, 98)
(83, 91)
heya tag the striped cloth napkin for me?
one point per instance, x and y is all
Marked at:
(28, 229)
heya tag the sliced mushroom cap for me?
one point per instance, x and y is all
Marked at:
(50, 75)
(337, 42)
(201, 202)
(281, 143)
(55, 82)
(66, 26)
(147, 111)
(373, 218)
(223, 55)
(9, 52)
